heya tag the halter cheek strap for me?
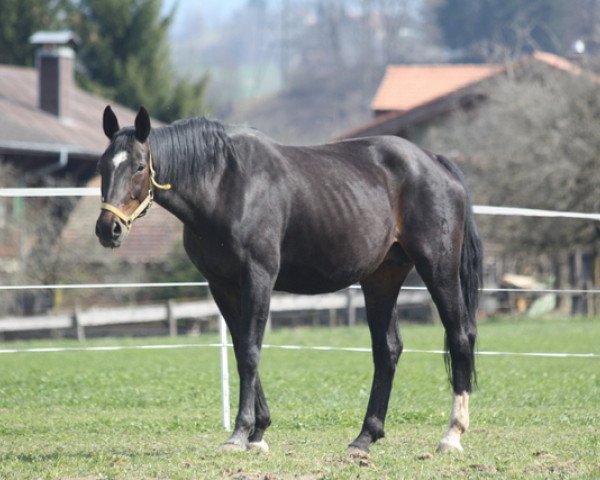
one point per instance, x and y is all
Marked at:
(144, 204)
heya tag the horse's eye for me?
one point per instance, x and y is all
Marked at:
(140, 168)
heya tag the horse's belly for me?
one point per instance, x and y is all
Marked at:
(304, 279)
(317, 270)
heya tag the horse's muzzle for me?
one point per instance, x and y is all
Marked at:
(109, 230)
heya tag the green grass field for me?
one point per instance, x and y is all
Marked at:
(155, 414)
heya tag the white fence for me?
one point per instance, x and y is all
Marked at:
(171, 312)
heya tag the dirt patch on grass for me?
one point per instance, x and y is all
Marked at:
(548, 462)
(272, 476)
(483, 468)
(426, 456)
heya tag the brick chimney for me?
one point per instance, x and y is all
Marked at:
(55, 60)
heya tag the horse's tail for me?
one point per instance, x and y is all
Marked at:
(470, 266)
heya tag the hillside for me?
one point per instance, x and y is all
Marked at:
(312, 109)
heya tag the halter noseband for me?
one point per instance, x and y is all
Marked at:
(144, 205)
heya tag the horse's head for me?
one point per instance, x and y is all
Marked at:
(126, 171)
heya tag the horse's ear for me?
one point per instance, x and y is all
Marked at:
(110, 122)
(142, 125)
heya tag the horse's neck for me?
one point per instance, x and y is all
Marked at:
(192, 196)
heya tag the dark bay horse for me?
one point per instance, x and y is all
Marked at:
(260, 216)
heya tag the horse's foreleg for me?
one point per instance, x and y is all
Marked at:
(255, 299)
(262, 418)
(381, 291)
(229, 304)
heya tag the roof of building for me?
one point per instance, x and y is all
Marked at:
(53, 37)
(405, 87)
(23, 126)
(557, 62)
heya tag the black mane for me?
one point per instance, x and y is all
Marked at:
(190, 149)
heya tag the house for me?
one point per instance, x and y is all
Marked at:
(49, 128)
(51, 135)
(410, 97)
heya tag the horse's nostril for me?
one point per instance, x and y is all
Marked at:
(116, 229)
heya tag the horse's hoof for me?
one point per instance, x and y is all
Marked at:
(355, 452)
(450, 444)
(261, 445)
(233, 447)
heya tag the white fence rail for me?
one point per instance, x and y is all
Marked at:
(478, 209)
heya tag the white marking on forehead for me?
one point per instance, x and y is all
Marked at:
(119, 158)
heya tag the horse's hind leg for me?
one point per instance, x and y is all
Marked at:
(440, 272)
(381, 291)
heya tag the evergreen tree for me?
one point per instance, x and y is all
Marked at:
(125, 53)
(19, 19)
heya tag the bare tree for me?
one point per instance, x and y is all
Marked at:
(534, 144)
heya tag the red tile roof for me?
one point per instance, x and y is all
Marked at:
(557, 62)
(405, 87)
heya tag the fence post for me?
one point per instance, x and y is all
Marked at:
(350, 307)
(224, 375)
(269, 325)
(77, 325)
(171, 319)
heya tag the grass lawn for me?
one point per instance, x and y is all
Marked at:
(155, 414)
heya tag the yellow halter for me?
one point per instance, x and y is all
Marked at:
(144, 204)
